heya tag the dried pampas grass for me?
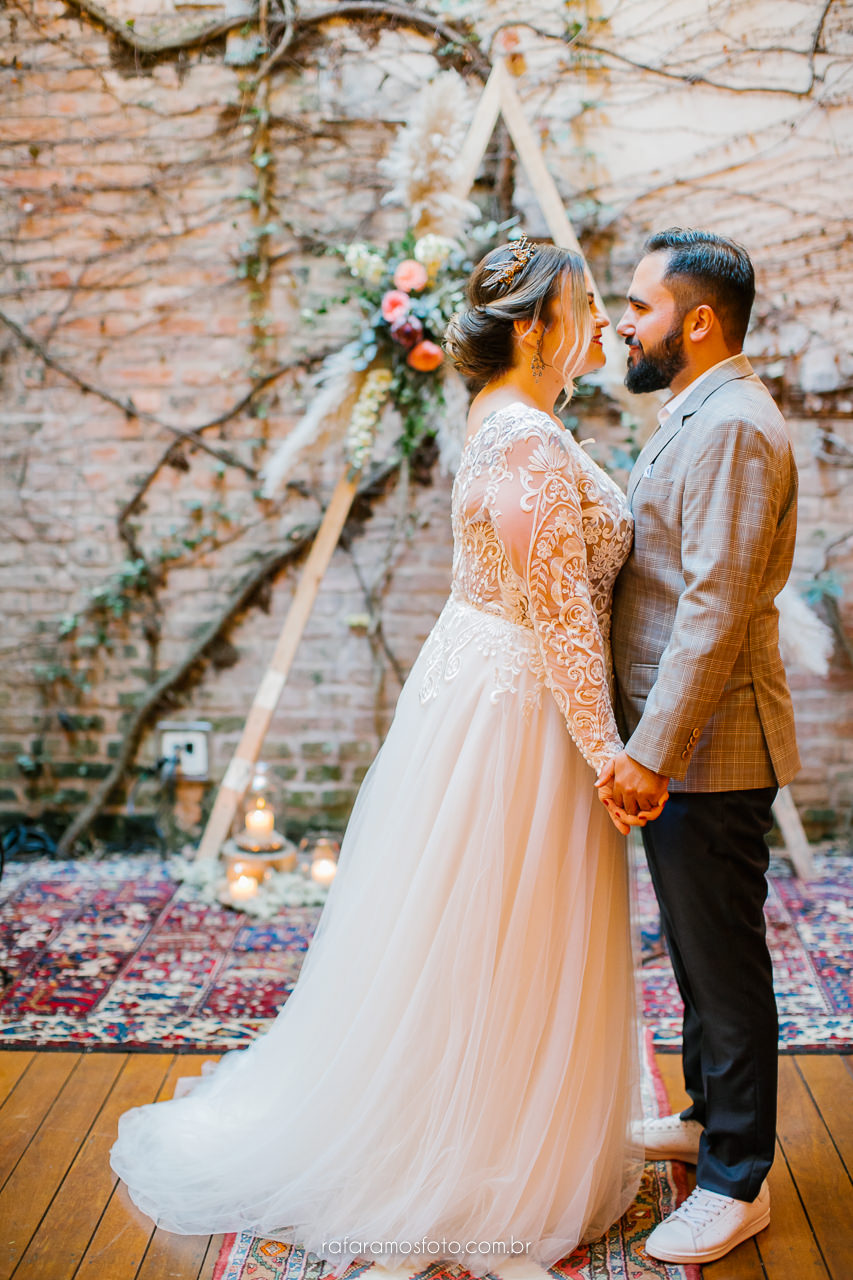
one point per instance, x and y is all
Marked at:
(326, 418)
(423, 160)
(804, 640)
(452, 425)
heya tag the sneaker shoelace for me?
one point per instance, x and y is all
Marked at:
(667, 1123)
(702, 1207)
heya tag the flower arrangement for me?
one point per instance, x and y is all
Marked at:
(406, 294)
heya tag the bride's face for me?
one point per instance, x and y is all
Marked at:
(595, 356)
(559, 337)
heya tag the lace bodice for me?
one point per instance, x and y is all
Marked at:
(540, 533)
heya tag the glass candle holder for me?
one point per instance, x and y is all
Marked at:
(256, 831)
(324, 861)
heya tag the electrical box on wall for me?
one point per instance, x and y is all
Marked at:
(188, 741)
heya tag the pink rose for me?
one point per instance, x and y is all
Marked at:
(395, 305)
(426, 356)
(410, 275)
(407, 331)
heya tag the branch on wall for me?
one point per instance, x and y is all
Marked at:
(189, 434)
(189, 39)
(697, 78)
(186, 435)
(189, 669)
(292, 30)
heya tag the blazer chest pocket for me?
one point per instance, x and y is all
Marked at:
(659, 485)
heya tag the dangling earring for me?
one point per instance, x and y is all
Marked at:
(537, 364)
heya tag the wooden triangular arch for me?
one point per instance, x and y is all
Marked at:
(498, 98)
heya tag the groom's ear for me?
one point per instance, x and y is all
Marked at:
(700, 322)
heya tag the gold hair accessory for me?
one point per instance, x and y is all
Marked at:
(522, 252)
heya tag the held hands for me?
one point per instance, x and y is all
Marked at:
(632, 794)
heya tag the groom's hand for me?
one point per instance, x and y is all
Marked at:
(636, 790)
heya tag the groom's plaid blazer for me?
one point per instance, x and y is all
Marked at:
(701, 686)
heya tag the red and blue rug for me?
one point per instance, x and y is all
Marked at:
(115, 954)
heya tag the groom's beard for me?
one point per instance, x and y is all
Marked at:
(655, 370)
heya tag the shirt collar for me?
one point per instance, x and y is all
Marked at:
(666, 411)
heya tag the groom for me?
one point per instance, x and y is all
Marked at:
(703, 695)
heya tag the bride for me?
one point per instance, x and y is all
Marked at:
(455, 1074)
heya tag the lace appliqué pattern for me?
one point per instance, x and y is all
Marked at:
(510, 648)
(540, 533)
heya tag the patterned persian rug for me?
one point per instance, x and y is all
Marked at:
(115, 954)
(620, 1255)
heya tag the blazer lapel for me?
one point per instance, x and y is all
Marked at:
(737, 367)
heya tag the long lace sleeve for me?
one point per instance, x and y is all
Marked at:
(535, 507)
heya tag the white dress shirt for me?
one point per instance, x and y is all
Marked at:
(667, 410)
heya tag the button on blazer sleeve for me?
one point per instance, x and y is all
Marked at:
(733, 499)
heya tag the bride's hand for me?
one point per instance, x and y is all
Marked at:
(623, 821)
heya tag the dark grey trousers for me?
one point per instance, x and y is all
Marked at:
(708, 858)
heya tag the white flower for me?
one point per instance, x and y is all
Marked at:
(433, 251)
(365, 415)
(374, 269)
(279, 889)
(364, 262)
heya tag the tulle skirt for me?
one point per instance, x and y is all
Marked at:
(456, 1071)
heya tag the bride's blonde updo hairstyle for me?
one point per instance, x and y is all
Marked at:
(518, 281)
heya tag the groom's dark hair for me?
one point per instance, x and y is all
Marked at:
(704, 267)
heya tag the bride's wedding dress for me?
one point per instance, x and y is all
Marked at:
(455, 1073)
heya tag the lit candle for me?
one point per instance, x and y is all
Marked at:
(242, 888)
(259, 822)
(323, 870)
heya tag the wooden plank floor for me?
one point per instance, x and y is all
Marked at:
(810, 1236)
(63, 1216)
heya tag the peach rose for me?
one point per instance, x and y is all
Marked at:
(426, 356)
(410, 275)
(394, 305)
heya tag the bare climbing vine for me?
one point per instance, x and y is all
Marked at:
(134, 590)
(136, 218)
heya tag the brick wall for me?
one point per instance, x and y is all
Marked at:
(126, 233)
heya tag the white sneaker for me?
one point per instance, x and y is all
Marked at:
(707, 1226)
(672, 1138)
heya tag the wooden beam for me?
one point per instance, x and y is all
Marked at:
(550, 201)
(796, 843)
(480, 133)
(530, 154)
(239, 772)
